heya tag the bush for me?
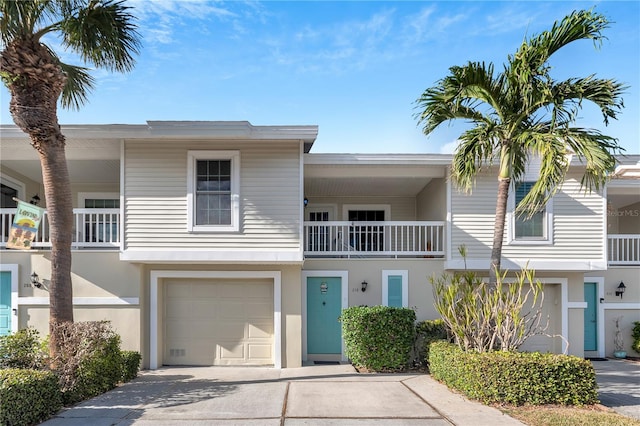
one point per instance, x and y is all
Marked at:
(427, 332)
(28, 396)
(89, 361)
(515, 377)
(130, 365)
(378, 338)
(635, 333)
(22, 350)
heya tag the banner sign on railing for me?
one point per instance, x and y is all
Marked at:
(25, 225)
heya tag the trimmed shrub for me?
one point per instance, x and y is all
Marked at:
(130, 365)
(28, 396)
(89, 362)
(635, 333)
(22, 349)
(378, 338)
(515, 377)
(427, 332)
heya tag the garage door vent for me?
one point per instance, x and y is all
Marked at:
(177, 352)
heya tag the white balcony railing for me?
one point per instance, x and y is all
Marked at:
(374, 239)
(624, 249)
(93, 228)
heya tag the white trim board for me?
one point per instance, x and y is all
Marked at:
(156, 277)
(83, 301)
(13, 269)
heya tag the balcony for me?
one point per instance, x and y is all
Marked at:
(623, 249)
(334, 239)
(93, 228)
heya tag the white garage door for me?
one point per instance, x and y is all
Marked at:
(218, 322)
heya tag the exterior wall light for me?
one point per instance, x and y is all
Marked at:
(305, 201)
(35, 280)
(620, 289)
(364, 286)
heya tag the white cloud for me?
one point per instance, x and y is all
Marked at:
(450, 147)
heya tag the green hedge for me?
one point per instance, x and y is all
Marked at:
(427, 332)
(22, 349)
(378, 338)
(28, 396)
(515, 377)
(89, 361)
(636, 337)
(130, 365)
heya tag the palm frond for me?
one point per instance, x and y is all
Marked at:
(103, 33)
(461, 95)
(579, 25)
(476, 149)
(605, 93)
(79, 84)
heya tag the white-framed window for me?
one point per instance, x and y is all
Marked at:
(537, 229)
(395, 288)
(104, 225)
(213, 191)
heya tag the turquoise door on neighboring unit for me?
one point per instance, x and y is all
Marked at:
(5, 303)
(394, 289)
(324, 305)
(591, 317)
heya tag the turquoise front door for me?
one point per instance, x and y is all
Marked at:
(5, 303)
(324, 305)
(591, 317)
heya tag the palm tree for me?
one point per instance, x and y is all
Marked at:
(522, 112)
(102, 33)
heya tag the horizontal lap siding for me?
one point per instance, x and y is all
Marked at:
(156, 196)
(577, 225)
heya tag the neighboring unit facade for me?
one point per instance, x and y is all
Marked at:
(224, 243)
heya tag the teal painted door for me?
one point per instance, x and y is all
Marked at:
(395, 291)
(324, 305)
(591, 317)
(5, 303)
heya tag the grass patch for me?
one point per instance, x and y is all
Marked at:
(551, 415)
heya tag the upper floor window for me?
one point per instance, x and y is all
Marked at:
(530, 229)
(213, 190)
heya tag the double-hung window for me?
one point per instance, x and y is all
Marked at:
(213, 191)
(526, 228)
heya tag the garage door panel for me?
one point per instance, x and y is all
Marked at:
(231, 309)
(219, 322)
(179, 308)
(258, 351)
(259, 310)
(261, 291)
(231, 350)
(204, 290)
(231, 330)
(202, 309)
(260, 331)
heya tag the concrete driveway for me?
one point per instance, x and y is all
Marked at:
(314, 395)
(619, 385)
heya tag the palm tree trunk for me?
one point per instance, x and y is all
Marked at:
(33, 106)
(498, 229)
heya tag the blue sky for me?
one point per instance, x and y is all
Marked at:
(352, 68)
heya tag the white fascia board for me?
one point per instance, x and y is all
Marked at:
(378, 159)
(178, 129)
(231, 130)
(213, 256)
(536, 264)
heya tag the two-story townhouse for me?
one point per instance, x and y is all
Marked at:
(223, 243)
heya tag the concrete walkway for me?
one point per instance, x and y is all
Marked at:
(315, 395)
(619, 385)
